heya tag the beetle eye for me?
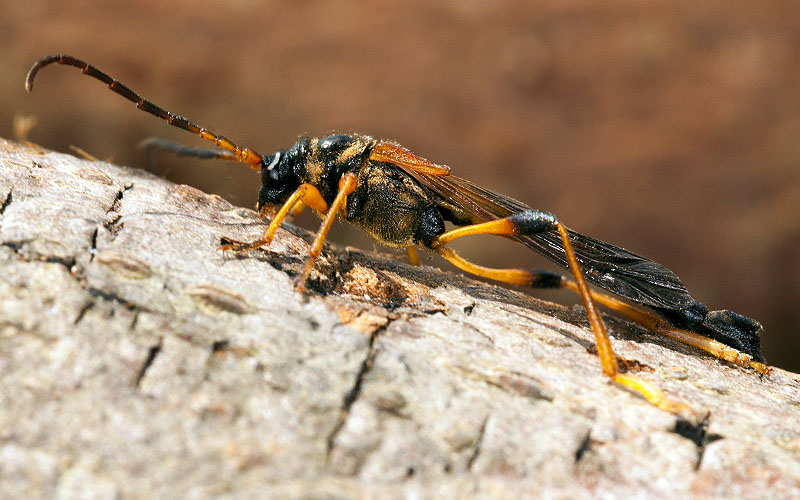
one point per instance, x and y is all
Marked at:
(275, 159)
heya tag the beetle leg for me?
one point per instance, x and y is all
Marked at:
(305, 195)
(657, 325)
(531, 222)
(413, 258)
(298, 208)
(347, 184)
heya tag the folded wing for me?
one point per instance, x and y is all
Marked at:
(607, 266)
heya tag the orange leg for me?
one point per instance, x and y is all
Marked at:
(347, 185)
(413, 258)
(305, 195)
(531, 222)
(298, 208)
(657, 325)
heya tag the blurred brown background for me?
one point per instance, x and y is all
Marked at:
(672, 130)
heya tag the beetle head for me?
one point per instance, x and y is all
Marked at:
(278, 178)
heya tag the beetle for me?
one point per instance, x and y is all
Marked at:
(404, 200)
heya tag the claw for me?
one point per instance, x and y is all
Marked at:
(241, 246)
(300, 284)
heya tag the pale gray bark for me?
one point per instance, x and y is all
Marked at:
(138, 362)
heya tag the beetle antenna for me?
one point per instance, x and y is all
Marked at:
(240, 154)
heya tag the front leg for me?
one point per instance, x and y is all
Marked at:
(305, 195)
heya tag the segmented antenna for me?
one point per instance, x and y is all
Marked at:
(240, 154)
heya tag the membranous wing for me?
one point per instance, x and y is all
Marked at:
(607, 266)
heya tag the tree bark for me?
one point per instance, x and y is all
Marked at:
(137, 361)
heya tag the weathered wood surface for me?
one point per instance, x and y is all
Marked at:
(138, 362)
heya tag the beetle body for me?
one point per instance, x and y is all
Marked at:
(387, 203)
(404, 200)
